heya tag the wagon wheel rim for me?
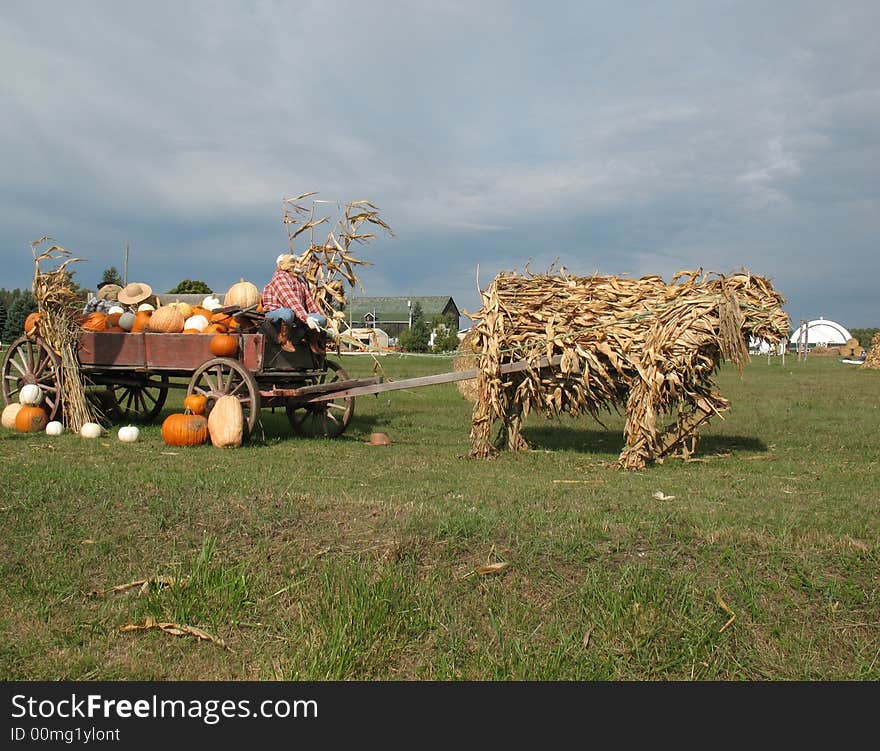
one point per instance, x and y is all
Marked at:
(223, 376)
(32, 361)
(140, 403)
(323, 419)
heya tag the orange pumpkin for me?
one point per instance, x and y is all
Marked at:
(31, 419)
(141, 319)
(224, 319)
(95, 322)
(214, 328)
(198, 310)
(32, 324)
(191, 331)
(224, 345)
(167, 320)
(113, 319)
(196, 404)
(181, 429)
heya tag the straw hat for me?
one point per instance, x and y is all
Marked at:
(109, 292)
(288, 262)
(134, 293)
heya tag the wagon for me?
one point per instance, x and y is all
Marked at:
(131, 373)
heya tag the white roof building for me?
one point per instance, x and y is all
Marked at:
(821, 333)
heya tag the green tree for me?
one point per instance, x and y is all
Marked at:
(111, 276)
(20, 309)
(2, 315)
(445, 334)
(865, 336)
(191, 287)
(417, 336)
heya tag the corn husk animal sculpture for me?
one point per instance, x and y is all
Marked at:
(872, 359)
(641, 344)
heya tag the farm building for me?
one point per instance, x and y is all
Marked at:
(392, 314)
(371, 338)
(820, 332)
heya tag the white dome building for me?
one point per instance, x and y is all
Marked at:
(821, 333)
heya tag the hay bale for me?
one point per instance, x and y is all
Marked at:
(642, 343)
(826, 352)
(466, 360)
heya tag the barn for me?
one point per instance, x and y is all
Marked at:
(392, 314)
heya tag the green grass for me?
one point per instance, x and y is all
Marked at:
(335, 559)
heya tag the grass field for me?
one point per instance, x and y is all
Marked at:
(320, 559)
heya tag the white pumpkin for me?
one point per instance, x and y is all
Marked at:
(243, 293)
(196, 322)
(54, 428)
(10, 411)
(146, 306)
(30, 394)
(90, 430)
(115, 309)
(211, 303)
(226, 422)
(126, 320)
(128, 434)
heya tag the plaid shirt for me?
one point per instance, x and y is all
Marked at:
(285, 290)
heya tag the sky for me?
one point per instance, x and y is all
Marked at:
(627, 138)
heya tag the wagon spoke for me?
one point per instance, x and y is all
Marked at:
(137, 399)
(40, 364)
(29, 357)
(217, 384)
(20, 368)
(239, 387)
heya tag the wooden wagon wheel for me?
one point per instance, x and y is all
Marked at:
(323, 419)
(223, 376)
(139, 400)
(33, 361)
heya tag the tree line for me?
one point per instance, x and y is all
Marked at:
(417, 338)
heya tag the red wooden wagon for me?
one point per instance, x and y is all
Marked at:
(136, 370)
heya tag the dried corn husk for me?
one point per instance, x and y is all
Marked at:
(329, 266)
(872, 359)
(59, 329)
(642, 344)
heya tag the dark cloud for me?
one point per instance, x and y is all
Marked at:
(635, 140)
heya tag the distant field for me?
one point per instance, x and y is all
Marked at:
(317, 559)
